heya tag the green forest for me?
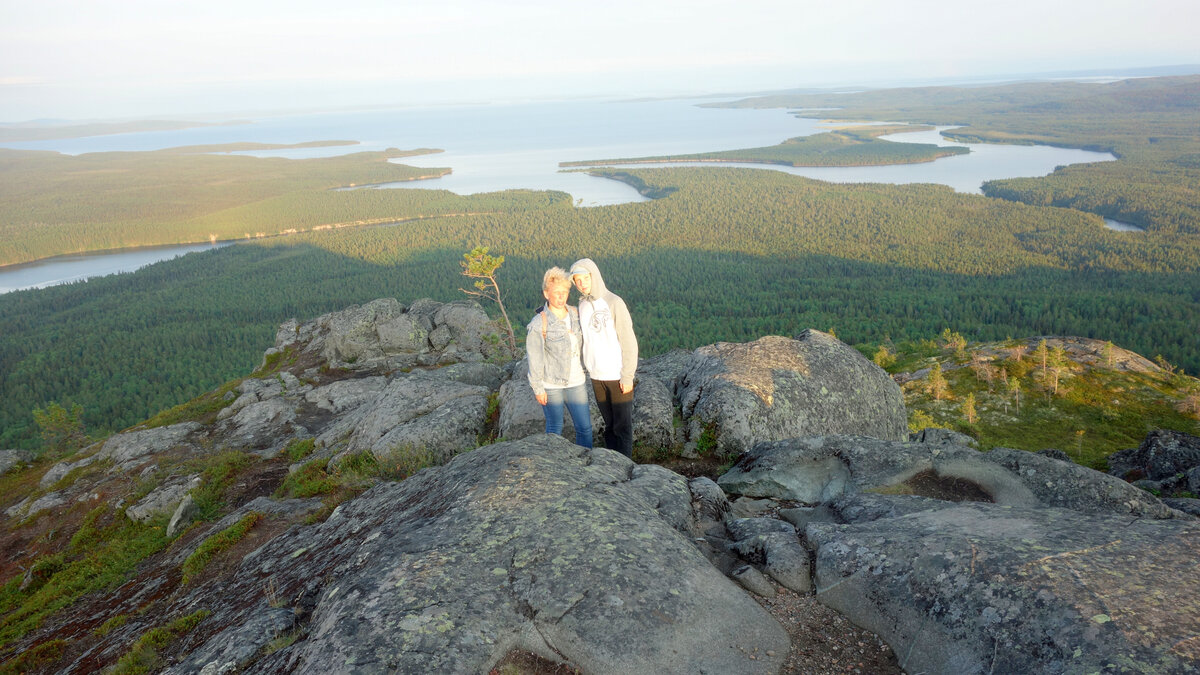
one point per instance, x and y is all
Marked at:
(852, 146)
(1151, 124)
(725, 254)
(55, 204)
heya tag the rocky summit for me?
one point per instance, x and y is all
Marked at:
(378, 497)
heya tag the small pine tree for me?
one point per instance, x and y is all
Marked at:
(1014, 388)
(968, 409)
(1108, 352)
(884, 357)
(478, 265)
(937, 386)
(62, 427)
(1041, 354)
(1058, 364)
(954, 341)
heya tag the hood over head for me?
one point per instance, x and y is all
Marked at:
(587, 266)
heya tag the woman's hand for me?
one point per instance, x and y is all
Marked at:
(541, 398)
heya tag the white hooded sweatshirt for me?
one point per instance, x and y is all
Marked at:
(610, 349)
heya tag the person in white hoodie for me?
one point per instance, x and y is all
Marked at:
(610, 353)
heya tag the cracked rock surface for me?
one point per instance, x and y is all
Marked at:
(577, 555)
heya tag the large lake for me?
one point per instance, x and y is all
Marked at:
(499, 147)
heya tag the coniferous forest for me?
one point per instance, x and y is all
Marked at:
(727, 254)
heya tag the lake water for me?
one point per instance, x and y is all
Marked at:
(499, 147)
(965, 173)
(64, 269)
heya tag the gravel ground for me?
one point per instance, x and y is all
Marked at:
(825, 642)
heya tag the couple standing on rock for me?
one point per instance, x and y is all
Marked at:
(561, 341)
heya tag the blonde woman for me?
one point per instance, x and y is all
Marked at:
(553, 343)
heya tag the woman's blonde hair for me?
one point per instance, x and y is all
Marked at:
(555, 276)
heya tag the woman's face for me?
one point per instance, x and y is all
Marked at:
(557, 294)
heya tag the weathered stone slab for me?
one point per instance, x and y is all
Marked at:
(539, 544)
(984, 588)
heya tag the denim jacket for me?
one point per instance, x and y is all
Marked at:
(550, 358)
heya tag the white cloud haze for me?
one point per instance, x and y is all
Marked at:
(103, 58)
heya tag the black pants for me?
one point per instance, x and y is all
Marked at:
(617, 410)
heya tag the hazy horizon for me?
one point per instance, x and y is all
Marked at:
(136, 59)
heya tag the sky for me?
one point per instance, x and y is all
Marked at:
(105, 59)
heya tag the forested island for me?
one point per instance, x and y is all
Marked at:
(852, 146)
(726, 254)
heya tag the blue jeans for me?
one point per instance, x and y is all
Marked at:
(576, 401)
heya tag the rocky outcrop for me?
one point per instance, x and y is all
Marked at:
(384, 335)
(13, 459)
(577, 555)
(820, 469)
(972, 562)
(1166, 462)
(983, 588)
(776, 388)
(163, 499)
(1065, 484)
(964, 561)
(421, 412)
(380, 377)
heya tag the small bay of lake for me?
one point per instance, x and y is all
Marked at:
(519, 146)
(64, 269)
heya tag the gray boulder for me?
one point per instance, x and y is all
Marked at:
(14, 459)
(471, 331)
(264, 427)
(653, 414)
(384, 335)
(820, 468)
(352, 336)
(1184, 504)
(865, 507)
(1075, 487)
(257, 390)
(183, 516)
(539, 544)
(422, 413)
(131, 448)
(776, 388)
(162, 499)
(773, 546)
(984, 588)
(487, 375)
(667, 368)
(1164, 456)
(31, 506)
(343, 395)
(60, 470)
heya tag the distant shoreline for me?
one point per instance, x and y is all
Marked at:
(25, 133)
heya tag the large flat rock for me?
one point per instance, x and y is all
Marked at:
(985, 588)
(578, 555)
